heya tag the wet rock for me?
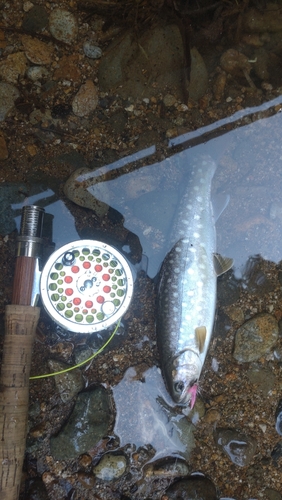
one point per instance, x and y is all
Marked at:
(13, 67)
(77, 186)
(86, 99)
(8, 94)
(4, 154)
(110, 467)
(91, 50)
(63, 25)
(68, 69)
(271, 494)
(36, 51)
(169, 100)
(130, 70)
(194, 487)
(268, 19)
(198, 84)
(239, 447)
(35, 19)
(255, 338)
(234, 62)
(87, 425)
(166, 468)
(10, 193)
(67, 384)
(263, 378)
(278, 418)
(36, 73)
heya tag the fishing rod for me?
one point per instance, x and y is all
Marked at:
(21, 319)
(85, 286)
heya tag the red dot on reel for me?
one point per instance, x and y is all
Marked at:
(68, 291)
(76, 301)
(98, 268)
(68, 279)
(75, 269)
(89, 304)
(107, 289)
(100, 299)
(106, 277)
(86, 264)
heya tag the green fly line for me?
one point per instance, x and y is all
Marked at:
(82, 362)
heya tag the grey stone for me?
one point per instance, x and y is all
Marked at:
(63, 25)
(239, 447)
(8, 94)
(87, 424)
(255, 338)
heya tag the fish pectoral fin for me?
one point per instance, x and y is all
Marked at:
(221, 264)
(201, 333)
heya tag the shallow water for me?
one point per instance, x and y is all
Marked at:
(135, 151)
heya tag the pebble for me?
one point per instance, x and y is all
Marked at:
(194, 487)
(198, 76)
(255, 338)
(91, 50)
(110, 467)
(169, 100)
(8, 94)
(259, 21)
(234, 62)
(239, 447)
(4, 154)
(36, 51)
(13, 67)
(35, 19)
(36, 73)
(271, 494)
(86, 426)
(67, 69)
(67, 384)
(86, 99)
(63, 25)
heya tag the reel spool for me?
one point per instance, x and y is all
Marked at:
(86, 286)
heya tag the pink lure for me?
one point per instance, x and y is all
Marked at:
(193, 395)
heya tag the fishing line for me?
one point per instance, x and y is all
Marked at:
(36, 377)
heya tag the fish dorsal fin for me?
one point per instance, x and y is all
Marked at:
(201, 333)
(221, 264)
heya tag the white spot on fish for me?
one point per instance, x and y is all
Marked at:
(199, 283)
(188, 317)
(196, 217)
(199, 199)
(196, 188)
(190, 293)
(190, 271)
(196, 235)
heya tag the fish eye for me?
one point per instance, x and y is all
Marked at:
(179, 386)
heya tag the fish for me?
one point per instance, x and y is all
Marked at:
(186, 296)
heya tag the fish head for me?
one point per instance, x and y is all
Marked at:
(185, 373)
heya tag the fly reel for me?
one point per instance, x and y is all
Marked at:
(86, 286)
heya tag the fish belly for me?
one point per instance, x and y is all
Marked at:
(187, 286)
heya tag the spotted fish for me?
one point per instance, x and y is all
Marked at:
(187, 287)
